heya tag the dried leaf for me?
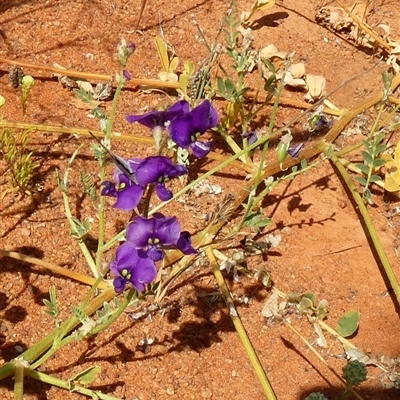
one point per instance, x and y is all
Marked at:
(271, 51)
(392, 176)
(86, 86)
(271, 308)
(316, 87)
(167, 76)
(295, 83)
(298, 70)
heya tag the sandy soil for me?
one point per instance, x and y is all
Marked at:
(195, 351)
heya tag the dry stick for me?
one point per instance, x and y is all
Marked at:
(97, 77)
(152, 83)
(54, 268)
(142, 5)
(366, 28)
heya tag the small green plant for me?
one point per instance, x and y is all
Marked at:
(372, 161)
(354, 373)
(316, 396)
(21, 165)
(27, 83)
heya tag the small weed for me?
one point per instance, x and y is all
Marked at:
(21, 165)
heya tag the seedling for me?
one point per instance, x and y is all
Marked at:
(21, 164)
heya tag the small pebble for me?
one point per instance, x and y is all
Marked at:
(206, 393)
(19, 349)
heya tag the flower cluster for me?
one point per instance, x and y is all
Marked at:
(157, 170)
(148, 238)
(184, 126)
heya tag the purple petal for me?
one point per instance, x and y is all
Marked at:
(124, 257)
(250, 136)
(155, 254)
(144, 272)
(294, 151)
(158, 169)
(129, 197)
(205, 117)
(127, 75)
(184, 243)
(180, 130)
(119, 284)
(162, 192)
(109, 189)
(149, 120)
(200, 149)
(181, 106)
(151, 169)
(139, 231)
(160, 118)
(129, 266)
(167, 229)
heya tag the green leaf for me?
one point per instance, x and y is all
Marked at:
(86, 377)
(348, 324)
(380, 149)
(361, 180)
(363, 168)
(367, 157)
(230, 87)
(378, 162)
(375, 178)
(221, 85)
(174, 64)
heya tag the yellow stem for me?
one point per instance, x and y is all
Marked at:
(54, 268)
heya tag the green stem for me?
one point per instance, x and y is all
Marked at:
(19, 380)
(51, 380)
(60, 340)
(67, 210)
(101, 215)
(44, 344)
(255, 362)
(370, 227)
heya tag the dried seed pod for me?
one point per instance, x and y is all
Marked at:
(15, 76)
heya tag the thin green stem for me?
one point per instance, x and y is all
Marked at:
(255, 362)
(19, 379)
(44, 344)
(51, 380)
(67, 210)
(370, 226)
(102, 202)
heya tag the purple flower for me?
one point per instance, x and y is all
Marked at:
(158, 170)
(127, 75)
(125, 50)
(184, 243)
(294, 151)
(187, 127)
(127, 192)
(156, 118)
(129, 266)
(152, 235)
(251, 137)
